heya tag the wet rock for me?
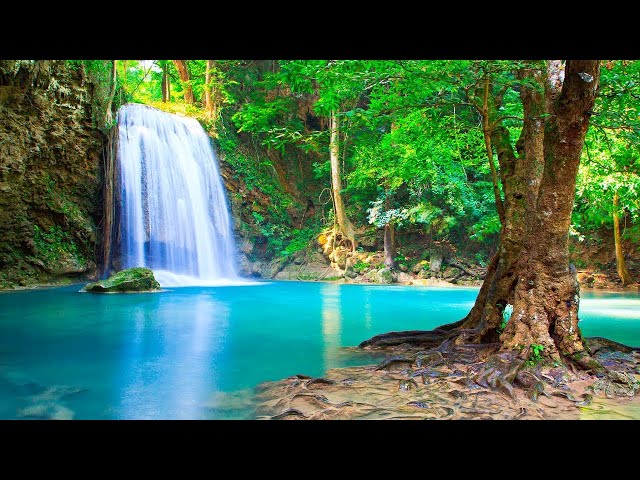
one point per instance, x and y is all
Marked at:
(535, 391)
(406, 385)
(136, 279)
(291, 414)
(429, 359)
(526, 379)
(318, 383)
(585, 278)
(246, 246)
(395, 363)
(616, 383)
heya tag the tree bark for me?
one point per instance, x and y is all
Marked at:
(531, 270)
(166, 83)
(520, 177)
(185, 78)
(531, 267)
(344, 224)
(389, 237)
(208, 97)
(108, 116)
(621, 265)
(547, 297)
(487, 133)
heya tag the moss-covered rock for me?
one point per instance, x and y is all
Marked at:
(383, 275)
(136, 279)
(386, 275)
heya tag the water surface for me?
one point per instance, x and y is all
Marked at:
(197, 352)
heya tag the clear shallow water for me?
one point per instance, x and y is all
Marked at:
(197, 352)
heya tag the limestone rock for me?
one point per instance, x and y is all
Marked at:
(404, 278)
(435, 262)
(136, 279)
(419, 266)
(384, 276)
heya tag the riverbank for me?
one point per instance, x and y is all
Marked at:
(414, 385)
(302, 274)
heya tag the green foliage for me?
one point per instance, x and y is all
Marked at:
(611, 158)
(360, 266)
(411, 143)
(53, 243)
(535, 355)
(301, 239)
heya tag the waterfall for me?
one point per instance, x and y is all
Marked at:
(174, 214)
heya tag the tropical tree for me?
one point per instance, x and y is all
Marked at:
(530, 269)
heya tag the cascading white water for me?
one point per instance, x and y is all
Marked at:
(174, 216)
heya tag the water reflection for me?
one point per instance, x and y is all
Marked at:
(367, 309)
(331, 323)
(166, 367)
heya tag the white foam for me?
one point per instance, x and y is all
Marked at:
(169, 279)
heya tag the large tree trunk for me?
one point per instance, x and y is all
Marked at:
(166, 82)
(623, 272)
(547, 296)
(185, 78)
(344, 224)
(530, 270)
(520, 178)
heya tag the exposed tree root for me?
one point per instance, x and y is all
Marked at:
(451, 380)
(436, 375)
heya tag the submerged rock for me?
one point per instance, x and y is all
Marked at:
(136, 279)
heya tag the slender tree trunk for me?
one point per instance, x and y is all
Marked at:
(389, 238)
(487, 132)
(108, 117)
(336, 182)
(185, 78)
(390, 245)
(166, 83)
(109, 202)
(208, 100)
(623, 272)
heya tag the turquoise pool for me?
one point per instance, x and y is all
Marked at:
(197, 352)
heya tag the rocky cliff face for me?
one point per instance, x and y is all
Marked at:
(50, 157)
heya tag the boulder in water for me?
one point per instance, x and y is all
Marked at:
(136, 279)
